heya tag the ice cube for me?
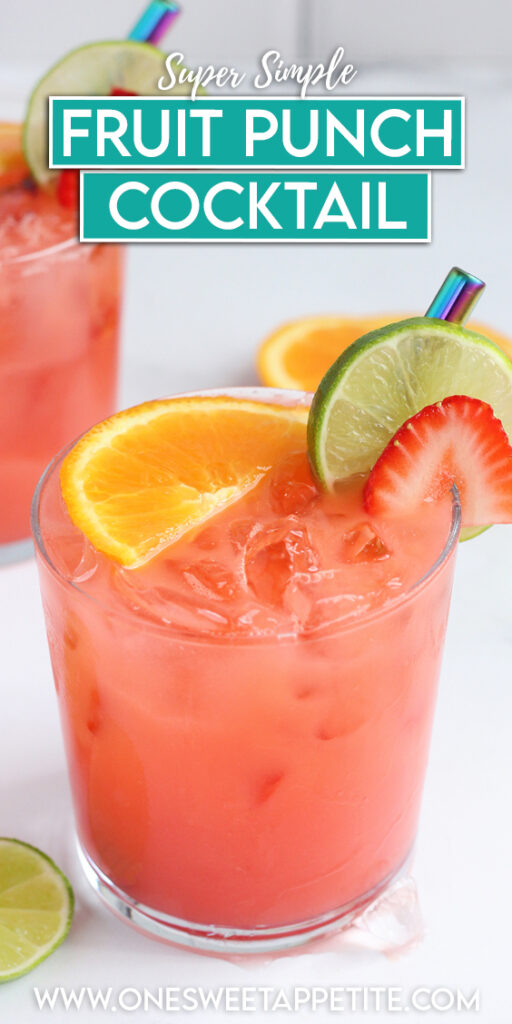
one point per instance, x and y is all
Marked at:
(298, 603)
(363, 544)
(338, 593)
(87, 566)
(239, 532)
(207, 539)
(211, 579)
(393, 923)
(176, 604)
(73, 554)
(31, 221)
(274, 557)
(292, 488)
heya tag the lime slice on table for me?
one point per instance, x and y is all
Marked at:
(36, 907)
(91, 70)
(390, 374)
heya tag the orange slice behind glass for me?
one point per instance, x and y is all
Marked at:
(298, 354)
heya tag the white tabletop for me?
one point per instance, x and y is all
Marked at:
(193, 318)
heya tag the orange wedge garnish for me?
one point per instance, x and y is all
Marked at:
(13, 166)
(299, 353)
(140, 480)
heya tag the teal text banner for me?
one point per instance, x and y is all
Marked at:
(179, 133)
(257, 207)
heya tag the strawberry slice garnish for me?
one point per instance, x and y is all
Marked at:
(117, 91)
(68, 186)
(457, 441)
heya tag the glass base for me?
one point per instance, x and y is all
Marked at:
(16, 551)
(218, 939)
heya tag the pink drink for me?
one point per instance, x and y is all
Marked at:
(59, 322)
(247, 717)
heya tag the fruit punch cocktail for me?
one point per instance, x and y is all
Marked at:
(59, 320)
(247, 700)
(59, 300)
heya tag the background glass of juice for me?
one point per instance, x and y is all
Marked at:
(232, 792)
(59, 326)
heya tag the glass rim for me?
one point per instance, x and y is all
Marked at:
(49, 250)
(344, 625)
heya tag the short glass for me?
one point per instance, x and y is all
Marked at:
(59, 330)
(210, 810)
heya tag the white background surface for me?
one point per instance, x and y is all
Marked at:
(229, 30)
(193, 318)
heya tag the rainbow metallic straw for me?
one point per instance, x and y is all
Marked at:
(456, 297)
(155, 21)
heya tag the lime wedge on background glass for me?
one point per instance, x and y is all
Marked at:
(91, 70)
(36, 907)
